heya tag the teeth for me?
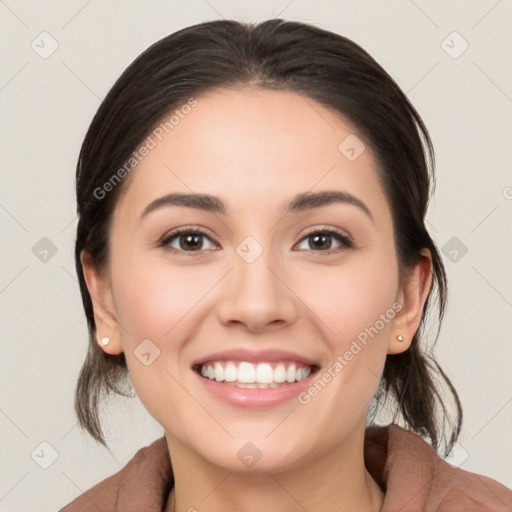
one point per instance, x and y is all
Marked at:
(279, 373)
(264, 373)
(248, 375)
(230, 372)
(218, 371)
(291, 373)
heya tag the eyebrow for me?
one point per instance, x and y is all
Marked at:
(301, 202)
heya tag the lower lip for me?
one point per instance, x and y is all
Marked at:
(255, 397)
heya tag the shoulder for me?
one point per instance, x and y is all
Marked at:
(415, 477)
(142, 484)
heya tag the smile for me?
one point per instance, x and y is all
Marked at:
(263, 375)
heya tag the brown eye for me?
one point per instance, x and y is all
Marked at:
(322, 240)
(186, 240)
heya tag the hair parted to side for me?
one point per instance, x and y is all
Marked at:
(288, 56)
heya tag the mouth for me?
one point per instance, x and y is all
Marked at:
(261, 375)
(255, 379)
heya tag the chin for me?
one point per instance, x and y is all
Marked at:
(250, 459)
(245, 454)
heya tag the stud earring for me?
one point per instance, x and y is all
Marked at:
(400, 338)
(105, 341)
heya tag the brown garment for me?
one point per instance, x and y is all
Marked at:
(413, 477)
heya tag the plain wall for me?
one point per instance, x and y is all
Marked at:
(46, 105)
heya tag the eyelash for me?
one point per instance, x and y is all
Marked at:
(336, 234)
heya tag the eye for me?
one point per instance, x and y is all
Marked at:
(187, 239)
(321, 240)
(191, 240)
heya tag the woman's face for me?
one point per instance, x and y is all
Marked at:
(257, 292)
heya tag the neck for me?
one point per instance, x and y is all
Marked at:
(333, 481)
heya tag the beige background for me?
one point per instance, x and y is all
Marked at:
(46, 106)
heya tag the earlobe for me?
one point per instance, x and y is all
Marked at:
(412, 297)
(398, 344)
(107, 327)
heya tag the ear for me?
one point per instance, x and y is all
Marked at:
(104, 311)
(412, 296)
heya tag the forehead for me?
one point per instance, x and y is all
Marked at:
(253, 144)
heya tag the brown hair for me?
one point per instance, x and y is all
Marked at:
(280, 55)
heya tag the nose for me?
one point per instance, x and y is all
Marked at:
(257, 295)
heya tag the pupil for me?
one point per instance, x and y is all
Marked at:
(319, 237)
(189, 240)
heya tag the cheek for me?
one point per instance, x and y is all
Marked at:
(350, 297)
(167, 304)
(152, 297)
(353, 304)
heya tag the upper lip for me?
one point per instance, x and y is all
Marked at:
(251, 356)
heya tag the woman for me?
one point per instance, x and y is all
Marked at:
(253, 259)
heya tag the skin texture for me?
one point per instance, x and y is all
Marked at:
(256, 149)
